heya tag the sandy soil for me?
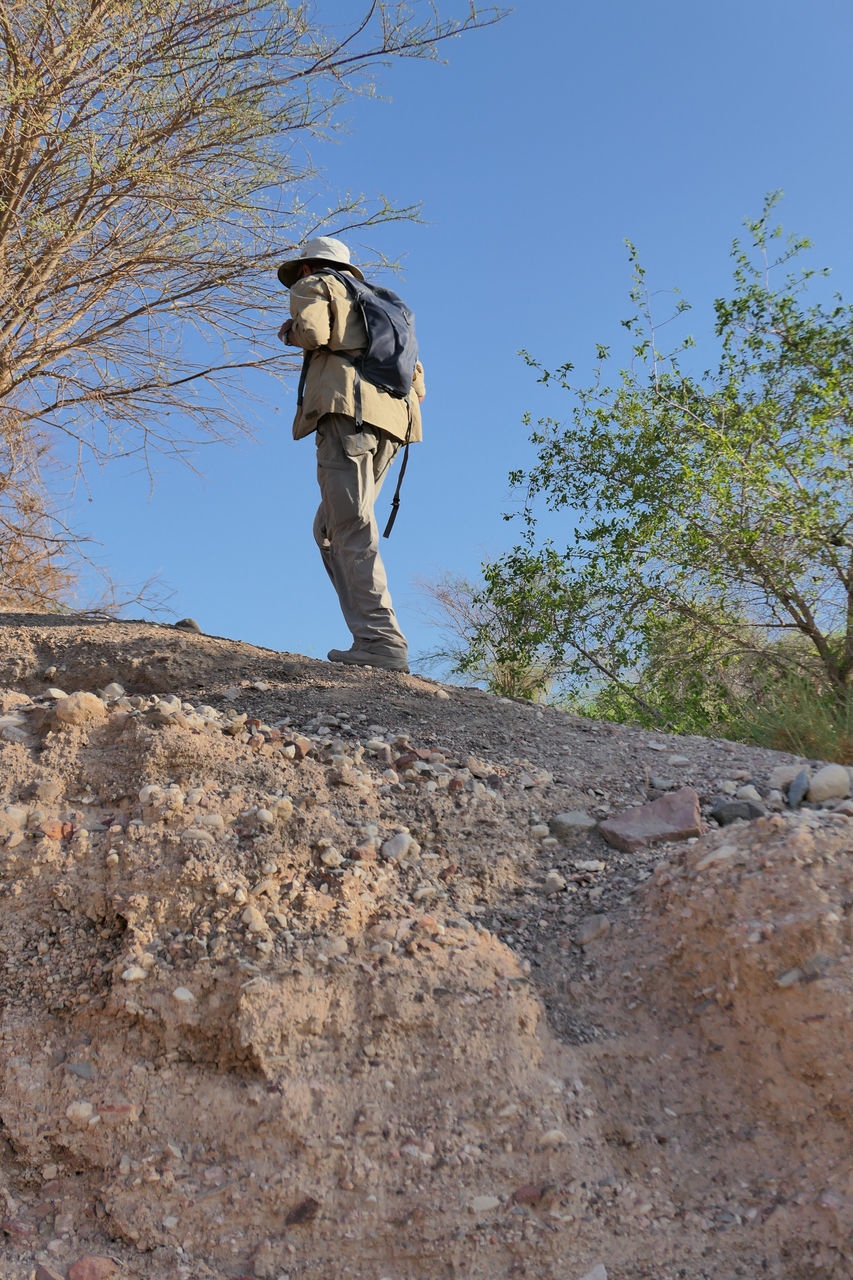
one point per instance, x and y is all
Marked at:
(288, 991)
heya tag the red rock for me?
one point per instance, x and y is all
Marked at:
(530, 1194)
(90, 1267)
(675, 816)
(46, 1273)
(364, 853)
(406, 761)
(302, 745)
(16, 1228)
(53, 830)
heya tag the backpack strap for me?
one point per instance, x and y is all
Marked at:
(395, 501)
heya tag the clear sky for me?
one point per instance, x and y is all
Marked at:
(541, 145)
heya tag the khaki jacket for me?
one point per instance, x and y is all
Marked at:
(325, 322)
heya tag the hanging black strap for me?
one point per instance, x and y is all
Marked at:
(395, 501)
(300, 390)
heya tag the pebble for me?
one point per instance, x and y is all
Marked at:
(554, 883)
(748, 792)
(183, 995)
(397, 846)
(484, 1204)
(599, 1272)
(790, 978)
(253, 920)
(736, 811)
(134, 973)
(782, 776)
(832, 782)
(591, 928)
(680, 761)
(569, 824)
(90, 1267)
(79, 709)
(798, 787)
(553, 1138)
(79, 1113)
(113, 690)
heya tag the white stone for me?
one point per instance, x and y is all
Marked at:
(331, 858)
(57, 693)
(397, 846)
(554, 1138)
(554, 883)
(679, 760)
(540, 831)
(599, 1272)
(79, 1112)
(749, 792)
(113, 690)
(150, 793)
(134, 973)
(183, 995)
(832, 782)
(484, 1204)
(254, 920)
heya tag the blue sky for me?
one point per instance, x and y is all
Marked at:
(536, 150)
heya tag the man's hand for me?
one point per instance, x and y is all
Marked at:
(284, 333)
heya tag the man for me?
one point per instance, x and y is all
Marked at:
(352, 459)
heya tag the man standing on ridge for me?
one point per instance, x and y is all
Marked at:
(359, 429)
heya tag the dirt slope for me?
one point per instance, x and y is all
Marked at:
(287, 989)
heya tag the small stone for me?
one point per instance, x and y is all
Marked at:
(599, 1272)
(79, 709)
(113, 690)
(798, 788)
(79, 1113)
(716, 856)
(658, 783)
(49, 1172)
(571, 823)
(679, 761)
(591, 928)
(134, 973)
(442, 695)
(484, 1204)
(331, 858)
(749, 792)
(397, 846)
(254, 920)
(553, 1138)
(540, 831)
(90, 1267)
(46, 1273)
(183, 995)
(188, 624)
(554, 883)
(782, 776)
(832, 782)
(790, 978)
(736, 811)
(589, 864)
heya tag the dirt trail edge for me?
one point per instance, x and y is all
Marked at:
(309, 971)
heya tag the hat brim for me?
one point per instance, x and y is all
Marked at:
(289, 272)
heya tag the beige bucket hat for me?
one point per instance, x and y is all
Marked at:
(322, 249)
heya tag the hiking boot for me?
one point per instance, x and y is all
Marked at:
(357, 657)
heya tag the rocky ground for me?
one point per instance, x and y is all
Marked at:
(310, 971)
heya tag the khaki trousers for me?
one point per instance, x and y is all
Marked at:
(351, 466)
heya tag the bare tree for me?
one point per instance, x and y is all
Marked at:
(154, 164)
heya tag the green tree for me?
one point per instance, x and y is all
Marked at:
(155, 163)
(710, 512)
